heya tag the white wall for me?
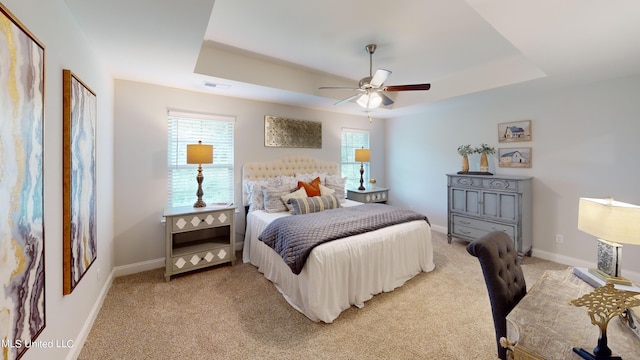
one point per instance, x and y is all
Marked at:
(141, 151)
(67, 48)
(583, 145)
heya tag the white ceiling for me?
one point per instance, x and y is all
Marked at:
(283, 50)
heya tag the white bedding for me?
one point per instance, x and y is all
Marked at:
(344, 272)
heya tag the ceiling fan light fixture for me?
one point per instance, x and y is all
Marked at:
(370, 100)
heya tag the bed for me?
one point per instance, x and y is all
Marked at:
(337, 274)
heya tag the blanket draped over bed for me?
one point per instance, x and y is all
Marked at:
(293, 237)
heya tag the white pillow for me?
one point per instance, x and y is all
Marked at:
(307, 177)
(326, 191)
(300, 193)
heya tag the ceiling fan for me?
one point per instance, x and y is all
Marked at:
(371, 89)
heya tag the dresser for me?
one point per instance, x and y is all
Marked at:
(196, 238)
(479, 204)
(372, 195)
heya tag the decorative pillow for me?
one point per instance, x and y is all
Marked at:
(337, 183)
(288, 181)
(314, 204)
(312, 188)
(308, 177)
(326, 191)
(273, 198)
(255, 197)
(300, 193)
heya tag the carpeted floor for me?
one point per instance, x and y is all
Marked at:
(233, 312)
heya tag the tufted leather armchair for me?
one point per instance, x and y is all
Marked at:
(503, 277)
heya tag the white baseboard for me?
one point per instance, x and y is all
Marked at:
(561, 259)
(138, 267)
(88, 324)
(631, 275)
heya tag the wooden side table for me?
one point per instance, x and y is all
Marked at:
(373, 195)
(197, 238)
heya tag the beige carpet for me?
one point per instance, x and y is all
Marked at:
(233, 312)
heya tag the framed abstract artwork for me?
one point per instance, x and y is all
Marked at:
(514, 131)
(292, 133)
(21, 186)
(514, 157)
(79, 119)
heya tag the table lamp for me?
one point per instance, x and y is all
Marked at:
(199, 154)
(614, 223)
(362, 156)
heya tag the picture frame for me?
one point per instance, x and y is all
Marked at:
(292, 133)
(515, 131)
(79, 179)
(519, 157)
(22, 265)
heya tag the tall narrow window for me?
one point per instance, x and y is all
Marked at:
(353, 139)
(188, 128)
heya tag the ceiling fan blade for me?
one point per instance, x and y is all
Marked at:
(379, 78)
(338, 88)
(386, 101)
(407, 87)
(347, 99)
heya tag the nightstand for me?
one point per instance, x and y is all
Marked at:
(198, 237)
(372, 195)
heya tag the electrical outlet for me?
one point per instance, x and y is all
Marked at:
(98, 273)
(559, 238)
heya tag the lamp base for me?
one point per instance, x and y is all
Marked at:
(361, 179)
(589, 356)
(199, 204)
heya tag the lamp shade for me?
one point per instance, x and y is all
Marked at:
(363, 155)
(199, 153)
(610, 220)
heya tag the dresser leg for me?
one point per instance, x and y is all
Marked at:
(448, 238)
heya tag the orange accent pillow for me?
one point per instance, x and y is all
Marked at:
(312, 188)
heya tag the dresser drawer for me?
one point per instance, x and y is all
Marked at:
(466, 225)
(201, 220)
(466, 181)
(500, 184)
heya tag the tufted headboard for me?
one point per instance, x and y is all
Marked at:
(286, 166)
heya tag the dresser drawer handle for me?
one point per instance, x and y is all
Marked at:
(465, 232)
(465, 222)
(503, 229)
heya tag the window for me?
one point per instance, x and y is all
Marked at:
(353, 139)
(188, 128)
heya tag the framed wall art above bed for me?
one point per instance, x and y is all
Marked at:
(292, 133)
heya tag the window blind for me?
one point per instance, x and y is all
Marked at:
(188, 128)
(353, 139)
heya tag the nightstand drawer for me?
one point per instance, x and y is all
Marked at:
(201, 221)
(201, 259)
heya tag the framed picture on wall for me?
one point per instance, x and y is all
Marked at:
(79, 232)
(22, 70)
(514, 131)
(514, 157)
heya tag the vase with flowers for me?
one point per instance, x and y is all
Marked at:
(465, 151)
(484, 150)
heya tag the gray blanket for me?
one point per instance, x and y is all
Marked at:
(293, 237)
